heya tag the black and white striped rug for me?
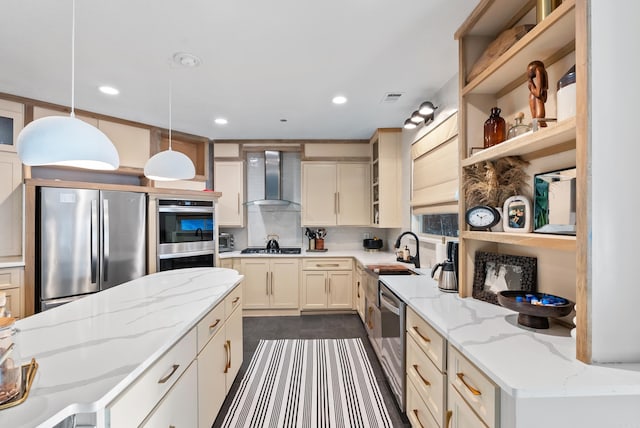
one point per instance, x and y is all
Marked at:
(308, 383)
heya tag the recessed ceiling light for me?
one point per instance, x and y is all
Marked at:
(185, 59)
(221, 121)
(339, 99)
(109, 90)
(283, 120)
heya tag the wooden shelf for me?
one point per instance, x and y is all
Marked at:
(543, 41)
(537, 240)
(561, 136)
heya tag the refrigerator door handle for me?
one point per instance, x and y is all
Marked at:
(94, 241)
(105, 240)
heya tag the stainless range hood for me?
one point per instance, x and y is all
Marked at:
(273, 182)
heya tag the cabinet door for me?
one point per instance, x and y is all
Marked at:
(178, 408)
(360, 303)
(233, 330)
(256, 283)
(354, 194)
(11, 280)
(314, 290)
(340, 290)
(229, 179)
(211, 366)
(460, 414)
(319, 194)
(284, 283)
(226, 263)
(10, 205)
(11, 123)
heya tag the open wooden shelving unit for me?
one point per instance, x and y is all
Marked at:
(557, 40)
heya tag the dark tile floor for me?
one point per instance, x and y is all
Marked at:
(310, 327)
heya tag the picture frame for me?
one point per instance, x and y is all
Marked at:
(554, 204)
(517, 214)
(495, 272)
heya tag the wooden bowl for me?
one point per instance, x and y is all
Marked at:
(530, 315)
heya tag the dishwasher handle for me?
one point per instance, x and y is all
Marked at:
(384, 301)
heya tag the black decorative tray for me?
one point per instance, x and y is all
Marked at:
(28, 374)
(534, 315)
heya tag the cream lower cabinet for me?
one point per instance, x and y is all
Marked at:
(186, 386)
(229, 179)
(177, 408)
(226, 263)
(327, 284)
(360, 291)
(219, 359)
(336, 194)
(426, 372)
(270, 283)
(11, 280)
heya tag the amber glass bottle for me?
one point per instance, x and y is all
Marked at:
(495, 129)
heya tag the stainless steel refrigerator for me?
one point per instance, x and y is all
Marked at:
(89, 240)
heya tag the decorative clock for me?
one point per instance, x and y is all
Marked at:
(482, 217)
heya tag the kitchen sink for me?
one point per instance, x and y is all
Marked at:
(390, 270)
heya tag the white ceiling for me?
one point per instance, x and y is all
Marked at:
(262, 61)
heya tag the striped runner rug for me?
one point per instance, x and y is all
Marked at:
(308, 384)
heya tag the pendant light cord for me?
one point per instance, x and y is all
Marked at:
(170, 95)
(73, 56)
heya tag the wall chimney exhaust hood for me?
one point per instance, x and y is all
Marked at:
(273, 177)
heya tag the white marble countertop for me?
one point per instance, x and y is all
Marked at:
(91, 349)
(525, 363)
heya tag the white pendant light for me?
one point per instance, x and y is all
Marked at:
(65, 140)
(169, 165)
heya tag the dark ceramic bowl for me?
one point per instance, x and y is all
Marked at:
(534, 316)
(372, 244)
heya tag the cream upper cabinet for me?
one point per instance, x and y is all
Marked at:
(335, 194)
(132, 143)
(11, 123)
(270, 283)
(386, 177)
(10, 205)
(229, 179)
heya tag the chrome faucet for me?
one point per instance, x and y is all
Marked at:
(416, 259)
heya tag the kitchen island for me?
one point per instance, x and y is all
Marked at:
(91, 350)
(541, 381)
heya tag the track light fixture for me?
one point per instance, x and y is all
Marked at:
(425, 113)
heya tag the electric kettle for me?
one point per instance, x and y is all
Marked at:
(447, 280)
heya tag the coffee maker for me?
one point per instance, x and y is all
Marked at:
(448, 277)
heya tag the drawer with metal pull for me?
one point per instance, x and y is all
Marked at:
(210, 325)
(132, 406)
(477, 390)
(326, 264)
(417, 411)
(428, 339)
(233, 301)
(428, 381)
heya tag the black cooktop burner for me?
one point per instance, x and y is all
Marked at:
(283, 250)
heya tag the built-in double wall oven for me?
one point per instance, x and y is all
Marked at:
(186, 233)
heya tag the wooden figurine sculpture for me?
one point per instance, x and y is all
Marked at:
(538, 86)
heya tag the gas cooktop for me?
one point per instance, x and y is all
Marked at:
(284, 250)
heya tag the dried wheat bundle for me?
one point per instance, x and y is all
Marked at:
(492, 182)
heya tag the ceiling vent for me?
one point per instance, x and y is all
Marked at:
(391, 97)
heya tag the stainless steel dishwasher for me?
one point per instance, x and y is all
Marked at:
(392, 349)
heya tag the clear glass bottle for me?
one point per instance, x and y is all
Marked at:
(495, 129)
(518, 128)
(10, 368)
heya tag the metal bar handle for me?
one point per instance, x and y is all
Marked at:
(173, 370)
(422, 336)
(266, 283)
(469, 387)
(327, 264)
(415, 413)
(389, 305)
(212, 326)
(105, 240)
(338, 199)
(227, 348)
(94, 241)
(238, 203)
(425, 381)
(447, 423)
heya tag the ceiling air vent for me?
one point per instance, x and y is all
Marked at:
(391, 97)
